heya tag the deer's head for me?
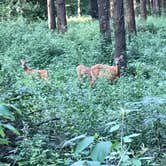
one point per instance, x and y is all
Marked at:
(120, 60)
(23, 62)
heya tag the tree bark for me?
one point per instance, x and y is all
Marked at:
(78, 8)
(130, 17)
(156, 7)
(163, 7)
(143, 9)
(104, 19)
(51, 14)
(61, 16)
(137, 7)
(119, 26)
(111, 8)
(149, 7)
(93, 9)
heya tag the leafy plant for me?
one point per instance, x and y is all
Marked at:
(7, 116)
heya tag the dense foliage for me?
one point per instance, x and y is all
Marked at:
(63, 121)
(35, 9)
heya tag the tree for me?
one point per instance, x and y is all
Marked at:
(104, 19)
(61, 16)
(93, 9)
(51, 14)
(143, 9)
(130, 17)
(111, 8)
(156, 7)
(148, 2)
(137, 7)
(163, 7)
(119, 26)
(79, 8)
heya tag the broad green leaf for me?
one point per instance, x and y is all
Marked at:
(93, 163)
(115, 144)
(136, 162)
(78, 163)
(84, 144)
(13, 108)
(134, 135)
(100, 151)
(4, 112)
(4, 141)
(12, 128)
(69, 142)
(146, 158)
(2, 133)
(114, 128)
(128, 138)
(2, 164)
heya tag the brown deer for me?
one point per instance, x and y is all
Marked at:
(29, 71)
(106, 71)
(83, 70)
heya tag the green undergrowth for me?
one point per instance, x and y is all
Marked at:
(61, 108)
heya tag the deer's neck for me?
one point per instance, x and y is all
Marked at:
(26, 68)
(118, 70)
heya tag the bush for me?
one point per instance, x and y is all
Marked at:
(62, 108)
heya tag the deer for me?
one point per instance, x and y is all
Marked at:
(82, 71)
(106, 71)
(29, 71)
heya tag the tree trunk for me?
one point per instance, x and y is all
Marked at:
(51, 14)
(163, 7)
(78, 8)
(104, 19)
(93, 9)
(119, 25)
(111, 8)
(156, 7)
(143, 9)
(148, 7)
(61, 16)
(130, 17)
(137, 7)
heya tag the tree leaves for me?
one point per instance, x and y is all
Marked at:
(11, 128)
(84, 144)
(78, 163)
(114, 128)
(5, 113)
(128, 138)
(86, 163)
(101, 150)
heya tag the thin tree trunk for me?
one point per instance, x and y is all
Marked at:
(163, 7)
(79, 8)
(111, 8)
(51, 14)
(137, 7)
(93, 9)
(119, 25)
(104, 19)
(130, 17)
(148, 7)
(143, 9)
(156, 7)
(61, 16)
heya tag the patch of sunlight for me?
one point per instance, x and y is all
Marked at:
(79, 19)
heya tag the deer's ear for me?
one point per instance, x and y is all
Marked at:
(121, 56)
